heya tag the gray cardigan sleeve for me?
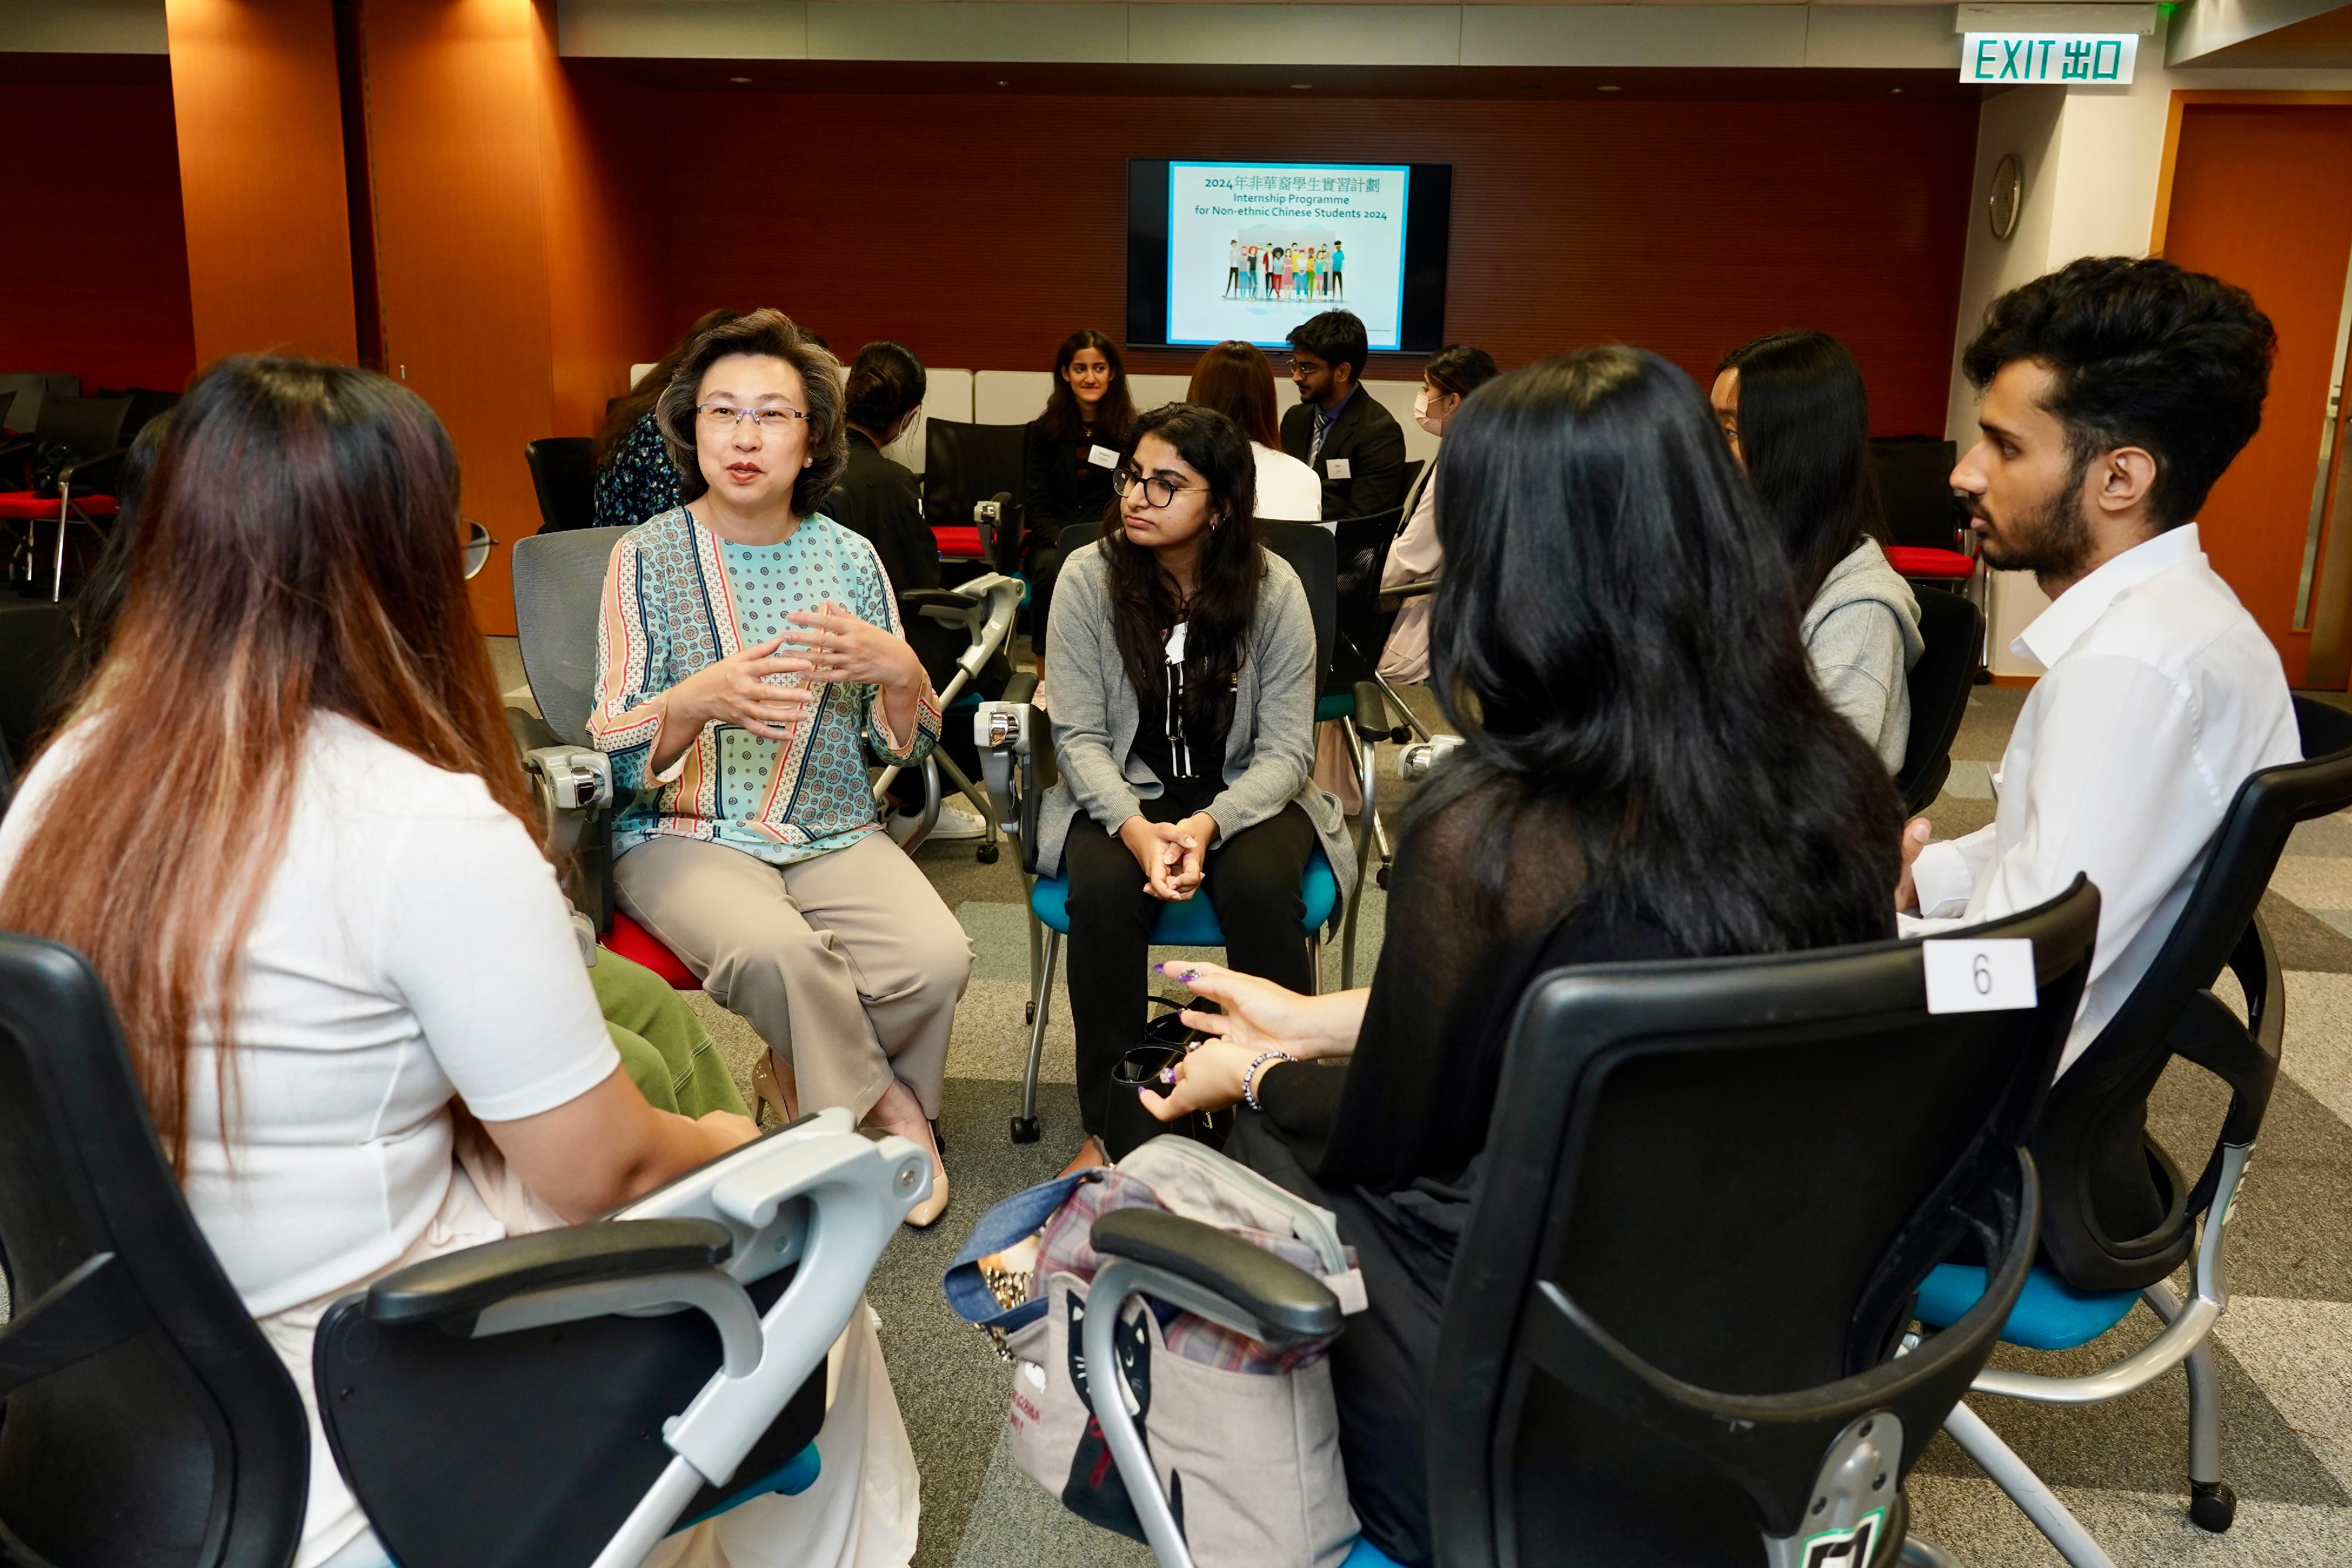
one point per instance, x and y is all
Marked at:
(1282, 642)
(1082, 659)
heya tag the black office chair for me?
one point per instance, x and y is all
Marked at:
(490, 1409)
(965, 465)
(89, 431)
(2118, 1217)
(1952, 628)
(1675, 1329)
(564, 476)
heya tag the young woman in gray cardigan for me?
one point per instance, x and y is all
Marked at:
(1182, 684)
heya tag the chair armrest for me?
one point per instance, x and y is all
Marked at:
(1375, 717)
(1022, 687)
(462, 1284)
(78, 463)
(1287, 1303)
(941, 605)
(1393, 599)
(531, 732)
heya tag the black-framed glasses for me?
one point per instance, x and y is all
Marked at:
(1156, 492)
(719, 415)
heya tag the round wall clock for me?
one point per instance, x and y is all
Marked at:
(2007, 195)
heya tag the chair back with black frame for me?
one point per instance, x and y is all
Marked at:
(1952, 630)
(563, 477)
(1915, 482)
(2117, 1214)
(1708, 1194)
(87, 426)
(147, 1420)
(33, 388)
(964, 464)
(7, 402)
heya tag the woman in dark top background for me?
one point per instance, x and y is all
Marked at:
(1624, 792)
(1067, 457)
(635, 478)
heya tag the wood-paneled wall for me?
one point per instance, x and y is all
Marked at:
(261, 177)
(979, 231)
(94, 274)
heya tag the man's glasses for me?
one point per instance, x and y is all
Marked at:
(726, 417)
(1156, 492)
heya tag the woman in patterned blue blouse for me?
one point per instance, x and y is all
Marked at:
(748, 655)
(635, 478)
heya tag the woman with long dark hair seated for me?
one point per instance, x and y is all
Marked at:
(635, 478)
(342, 930)
(1793, 407)
(1624, 792)
(1067, 455)
(1184, 716)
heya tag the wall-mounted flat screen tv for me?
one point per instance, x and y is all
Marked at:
(1250, 250)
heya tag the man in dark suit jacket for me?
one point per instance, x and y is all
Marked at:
(1337, 429)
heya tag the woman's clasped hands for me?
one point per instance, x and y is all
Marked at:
(1173, 856)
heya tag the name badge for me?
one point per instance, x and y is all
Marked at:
(1988, 975)
(1337, 468)
(1102, 457)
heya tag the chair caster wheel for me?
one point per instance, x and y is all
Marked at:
(2211, 1506)
(1381, 876)
(985, 855)
(1025, 1129)
(1029, 1013)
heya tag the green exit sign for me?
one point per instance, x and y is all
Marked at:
(2065, 59)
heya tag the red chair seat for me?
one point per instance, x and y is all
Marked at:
(1930, 564)
(959, 543)
(635, 943)
(24, 506)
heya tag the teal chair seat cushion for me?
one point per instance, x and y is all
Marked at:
(1366, 1556)
(1333, 705)
(2048, 1316)
(1193, 923)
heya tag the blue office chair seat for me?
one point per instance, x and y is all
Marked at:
(1192, 924)
(1333, 706)
(2048, 1315)
(1367, 1555)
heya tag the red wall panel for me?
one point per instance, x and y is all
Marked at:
(981, 231)
(94, 274)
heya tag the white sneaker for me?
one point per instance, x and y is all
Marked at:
(958, 823)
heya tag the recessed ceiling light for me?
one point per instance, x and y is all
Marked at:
(1895, 90)
(999, 81)
(739, 81)
(1610, 87)
(1302, 86)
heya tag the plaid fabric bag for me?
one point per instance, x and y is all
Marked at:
(1245, 1438)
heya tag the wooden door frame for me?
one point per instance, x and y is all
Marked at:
(2182, 97)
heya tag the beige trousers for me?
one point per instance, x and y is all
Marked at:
(848, 964)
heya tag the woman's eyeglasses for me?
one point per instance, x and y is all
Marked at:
(726, 417)
(1156, 492)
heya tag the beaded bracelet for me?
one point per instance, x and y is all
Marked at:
(1249, 1077)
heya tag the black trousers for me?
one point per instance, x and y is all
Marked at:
(1251, 880)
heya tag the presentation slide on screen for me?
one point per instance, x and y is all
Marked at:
(1255, 248)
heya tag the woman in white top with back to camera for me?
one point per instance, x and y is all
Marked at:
(1237, 379)
(345, 889)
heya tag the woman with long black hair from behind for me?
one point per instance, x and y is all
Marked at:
(1624, 792)
(635, 476)
(1183, 726)
(1068, 456)
(1794, 410)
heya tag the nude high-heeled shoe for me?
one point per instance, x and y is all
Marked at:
(926, 1214)
(773, 1086)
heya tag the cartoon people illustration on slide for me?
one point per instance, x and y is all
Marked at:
(1294, 270)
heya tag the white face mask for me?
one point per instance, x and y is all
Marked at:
(1422, 417)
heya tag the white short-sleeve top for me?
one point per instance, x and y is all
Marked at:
(1288, 490)
(412, 946)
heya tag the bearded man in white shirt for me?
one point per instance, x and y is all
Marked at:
(2116, 392)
